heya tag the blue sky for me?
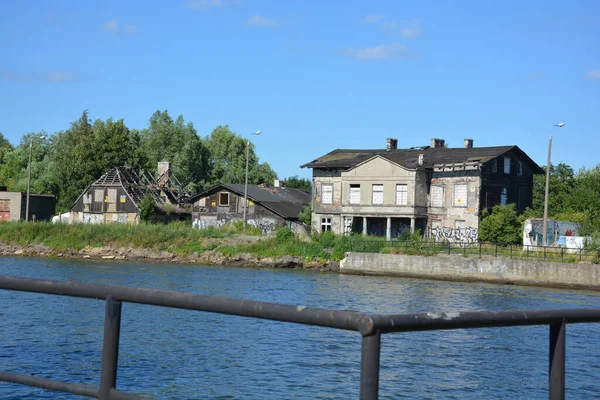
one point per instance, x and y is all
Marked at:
(312, 75)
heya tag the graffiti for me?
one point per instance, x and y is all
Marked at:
(265, 226)
(347, 225)
(454, 235)
(205, 224)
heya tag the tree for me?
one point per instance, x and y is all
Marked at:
(306, 215)
(147, 209)
(502, 225)
(298, 183)
(561, 185)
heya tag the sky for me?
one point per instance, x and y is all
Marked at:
(313, 75)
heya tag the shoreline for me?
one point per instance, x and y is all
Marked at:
(132, 254)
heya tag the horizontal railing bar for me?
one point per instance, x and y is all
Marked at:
(43, 383)
(481, 319)
(347, 320)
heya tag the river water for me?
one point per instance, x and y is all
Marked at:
(176, 354)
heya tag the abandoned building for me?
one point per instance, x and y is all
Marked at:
(438, 190)
(13, 206)
(116, 196)
(268, 207)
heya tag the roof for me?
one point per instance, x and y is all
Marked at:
(408, 158)
(285, 202)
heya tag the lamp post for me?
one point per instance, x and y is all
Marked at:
(545, 226)
(246, 181)
(29, 175)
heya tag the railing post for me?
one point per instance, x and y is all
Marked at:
(496, 256)
(544, 253)
(511, 251)
(479, 249)
(369, 366)
(556, 372)
(110, 347)
(562, 254)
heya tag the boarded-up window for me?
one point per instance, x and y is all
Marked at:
(507, 165)
(503, 196)
(202, 202)
(401, 195)
(460, 195)
(437, 196)
(224, 199)
(378, 194)
(99, 195)
(87, 198)
(327, 193)
(354, 196)
(112, 195)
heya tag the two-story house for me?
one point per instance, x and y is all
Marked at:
(435, 189)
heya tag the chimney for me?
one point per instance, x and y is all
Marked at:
(468, 143)
(421, 157)
(437, 143)
(276, 183)
(164, 172)
(392, 144)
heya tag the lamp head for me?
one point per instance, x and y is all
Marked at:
(257, 133)
(560, 124)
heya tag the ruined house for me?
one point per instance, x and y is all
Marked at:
(438, 190)
(116, 196)
(268, 207)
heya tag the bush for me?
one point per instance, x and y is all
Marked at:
(147, 209)
(502, 225)
(284, 235)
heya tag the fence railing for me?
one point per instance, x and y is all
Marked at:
(477, 249)
(371, 327)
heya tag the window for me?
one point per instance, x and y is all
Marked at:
(519, 168)
(503, 196)
(354, 195)
(460, 195)
(224, 199)
(437, 196)
(378, 194)
(522, 198)
(325, 224)
(495, 165)
(507, 165)
(327, 193)
(98, 195)
(401, 195)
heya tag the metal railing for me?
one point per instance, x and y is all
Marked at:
(477, 249)
(371, 327)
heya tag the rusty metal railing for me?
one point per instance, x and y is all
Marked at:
(371, 327)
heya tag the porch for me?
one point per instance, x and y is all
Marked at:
(390, 227)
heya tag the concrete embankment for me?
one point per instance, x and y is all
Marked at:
(517, 272)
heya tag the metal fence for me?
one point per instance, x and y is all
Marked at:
(370, 327)
(479, 249)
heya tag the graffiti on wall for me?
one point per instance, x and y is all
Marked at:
(454, 235)
(533, 232)
(265, 225)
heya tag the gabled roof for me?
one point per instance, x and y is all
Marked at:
(285, 202)
(408, 158)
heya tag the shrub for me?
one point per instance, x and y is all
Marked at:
(147, 209)
(284, 234)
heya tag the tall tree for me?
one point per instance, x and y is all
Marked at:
(298, 183)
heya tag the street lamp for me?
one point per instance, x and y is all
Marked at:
(545, 226)
(246, 181)
(42, 136)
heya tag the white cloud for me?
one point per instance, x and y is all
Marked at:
(259, 20)
(593, 74)
(372, 19)
(411, 28)
(378, 52)
(115, 26)
(203, 5)
(45, 77)
(111, 26)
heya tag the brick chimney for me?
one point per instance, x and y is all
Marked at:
(468, 143)
(164, 172)
(437, 143)
(392, 144)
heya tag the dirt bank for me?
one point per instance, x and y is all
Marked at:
(136, 254)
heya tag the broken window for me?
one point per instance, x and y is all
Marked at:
(460, 195)
(437, 196)
(503, 196)
(354, 195)
(495, 165)
(519, 168)
(378, 194)
(327, 193)
(223, 199)
(507, 165)
(401, 195)
(325, 224)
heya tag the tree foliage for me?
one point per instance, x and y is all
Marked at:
(147, 209)
(298, 183)
(502, 225)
